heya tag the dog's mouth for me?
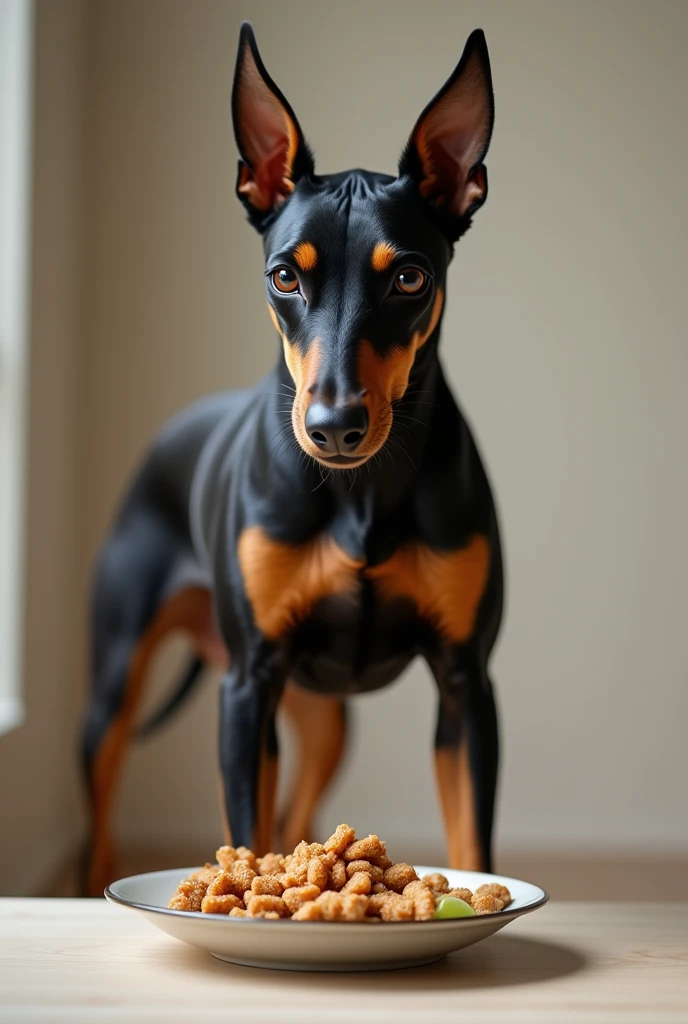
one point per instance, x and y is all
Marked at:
(339, 461)
(342, 461)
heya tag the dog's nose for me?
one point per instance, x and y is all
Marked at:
(337, 429)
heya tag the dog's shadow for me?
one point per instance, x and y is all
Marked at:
(502, 962)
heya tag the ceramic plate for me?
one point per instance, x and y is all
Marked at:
(322, 945)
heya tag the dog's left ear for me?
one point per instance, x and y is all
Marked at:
(445, 152)
(273, 150)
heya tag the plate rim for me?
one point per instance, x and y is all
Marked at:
(225, 919)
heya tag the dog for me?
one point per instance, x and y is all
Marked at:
(314, 534)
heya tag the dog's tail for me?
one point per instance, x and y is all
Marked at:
(175, 700)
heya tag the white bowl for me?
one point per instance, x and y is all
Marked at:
(322, 945)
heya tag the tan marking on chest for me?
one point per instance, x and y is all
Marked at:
(446, 587)
(284, 581)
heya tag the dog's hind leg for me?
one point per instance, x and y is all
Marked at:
(320, 727)
(130, 617)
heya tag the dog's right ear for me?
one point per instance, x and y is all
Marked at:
(274, 153)
(446, 151)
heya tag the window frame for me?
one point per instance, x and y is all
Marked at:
(16, 137)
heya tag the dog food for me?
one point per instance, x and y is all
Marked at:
(344, 879)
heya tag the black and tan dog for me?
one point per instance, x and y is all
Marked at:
(316, 533)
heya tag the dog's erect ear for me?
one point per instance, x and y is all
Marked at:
(445, 152)
(270, 141)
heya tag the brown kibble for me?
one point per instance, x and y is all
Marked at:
(308, 912)
(290, 881)
(360, 882)
(318, 873)
(330, 904)
(344, 879)
(296, 896)
(461, 894)
(338, 874)
(495, 889)
(262, 905)
(296, 871)
(424, 904)
(436, 882)
(486, 903)
(270, 864)
(292, 878)
(382, 859)
(243, 853)
(415, 886)
(189, 894)
(377, 901)
(364, 865)
(354, 907)
(341, 838)
(225, 857)
(220, 904)
(242, 876)
(301, 851)
(225, 885)
(267, 885)
(424, 907)
(369, 849)
(206, 873)
(397, 908)
(398, 876)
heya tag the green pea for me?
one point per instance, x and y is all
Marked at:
(451, 906)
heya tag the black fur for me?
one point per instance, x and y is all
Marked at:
(231, 462)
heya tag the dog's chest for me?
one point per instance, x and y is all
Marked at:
(367, 610)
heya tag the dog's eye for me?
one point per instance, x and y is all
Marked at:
(285, 280)
(410, 281)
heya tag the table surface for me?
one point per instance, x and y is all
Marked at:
(82, 961)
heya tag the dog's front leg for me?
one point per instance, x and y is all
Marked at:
(249, 695)
(466, 756)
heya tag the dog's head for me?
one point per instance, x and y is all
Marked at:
(356, 262)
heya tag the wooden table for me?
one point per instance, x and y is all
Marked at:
(86, 961)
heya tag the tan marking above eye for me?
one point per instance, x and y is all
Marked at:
(383, 256)
(284, 581)
(306, 256)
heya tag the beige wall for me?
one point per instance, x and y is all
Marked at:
(39, 803)
(564, 337)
